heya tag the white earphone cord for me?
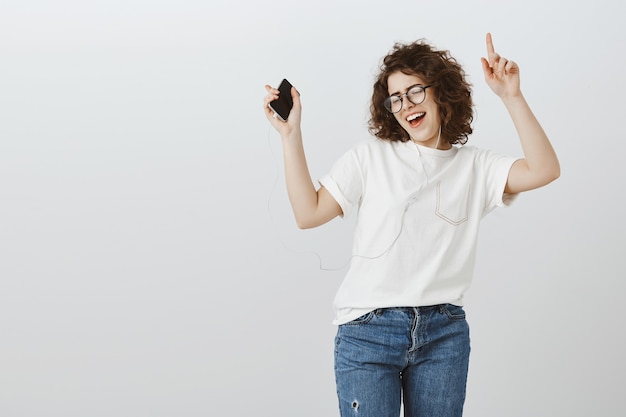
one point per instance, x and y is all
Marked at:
(321, 263)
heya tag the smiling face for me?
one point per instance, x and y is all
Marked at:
(420, 121)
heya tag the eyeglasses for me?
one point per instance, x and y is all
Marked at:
(416, 95)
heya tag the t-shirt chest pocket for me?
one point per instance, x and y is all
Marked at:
(452, 202)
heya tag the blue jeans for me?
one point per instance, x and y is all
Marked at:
(418, 356)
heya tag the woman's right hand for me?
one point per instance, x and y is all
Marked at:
(311, 207)
(292, 125)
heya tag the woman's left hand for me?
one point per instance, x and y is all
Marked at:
(501, 75)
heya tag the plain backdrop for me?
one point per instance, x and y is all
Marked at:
(149, 262)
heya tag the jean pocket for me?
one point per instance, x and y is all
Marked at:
(364, 319)
(453, 203)
(454, 312)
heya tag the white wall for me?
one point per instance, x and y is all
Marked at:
(149, 263)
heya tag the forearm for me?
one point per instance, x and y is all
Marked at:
(540, 164)
(300, 188)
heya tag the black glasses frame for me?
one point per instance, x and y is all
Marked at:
(389, 101)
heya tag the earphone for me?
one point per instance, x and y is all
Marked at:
(322, 266)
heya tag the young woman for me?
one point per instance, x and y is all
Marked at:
(419, 195)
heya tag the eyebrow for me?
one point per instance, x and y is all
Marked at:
(397, 93)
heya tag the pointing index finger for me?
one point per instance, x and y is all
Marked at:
(490, 48)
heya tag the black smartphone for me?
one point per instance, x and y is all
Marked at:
(282, 106)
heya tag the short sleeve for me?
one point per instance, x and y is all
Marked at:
(496, 171)
(345, 182)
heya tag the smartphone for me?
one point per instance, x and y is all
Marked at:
(282, 106)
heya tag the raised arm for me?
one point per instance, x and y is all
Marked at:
(540, 165)
(311, 207)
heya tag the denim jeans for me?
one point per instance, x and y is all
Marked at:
(415, 356)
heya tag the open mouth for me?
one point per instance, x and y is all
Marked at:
(415, 119)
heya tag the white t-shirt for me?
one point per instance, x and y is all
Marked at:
(418, 214)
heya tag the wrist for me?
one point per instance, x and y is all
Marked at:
(513, 98)
(293, 136)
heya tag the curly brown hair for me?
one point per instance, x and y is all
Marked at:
(438, 69)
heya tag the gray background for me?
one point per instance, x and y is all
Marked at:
(149, 261)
